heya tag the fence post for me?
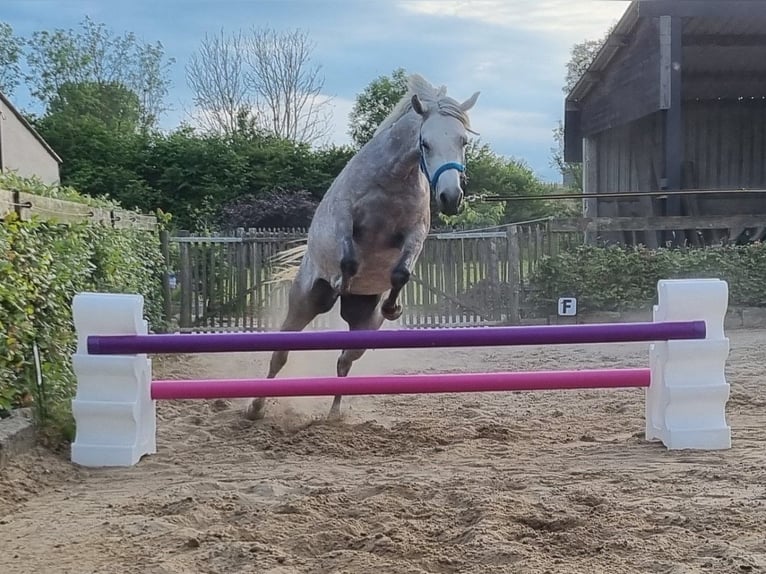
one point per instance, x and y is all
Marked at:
(494, 281)
(186, 286)
(166, 291)
(514, 275)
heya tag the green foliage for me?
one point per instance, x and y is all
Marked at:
(569, 170)
(33, 185)
(188, 174)
(43, 266)
(488, 173)
(580, 58)
(193, 176)
(374, 103)
(109, 103)
(10, 55)
(94, 55)
(474, 215)
(625, 278)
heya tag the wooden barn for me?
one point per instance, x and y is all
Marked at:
(675, 100)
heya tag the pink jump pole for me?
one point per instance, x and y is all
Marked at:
(401, 384)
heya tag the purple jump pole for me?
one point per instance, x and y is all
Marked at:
(401, 384)
(395, 339)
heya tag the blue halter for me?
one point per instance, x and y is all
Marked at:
(432, 181)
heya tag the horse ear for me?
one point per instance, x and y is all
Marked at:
(418, 106)
(469, 103)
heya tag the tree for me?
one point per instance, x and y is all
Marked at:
(287, 85)
(475, 214)
(94, 54)
(570, 171)
(489, 173)
(111, 104)
(580, 58)
(10, 54)
(216, 74)
(263, 81)
(374, 103)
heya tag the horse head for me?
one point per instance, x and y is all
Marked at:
(442, 141)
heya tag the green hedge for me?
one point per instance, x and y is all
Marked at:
(42, 266)
(625, 278)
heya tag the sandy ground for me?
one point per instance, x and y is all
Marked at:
(555, 482)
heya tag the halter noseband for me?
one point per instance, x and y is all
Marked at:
(432, 181)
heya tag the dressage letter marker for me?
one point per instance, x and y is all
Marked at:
(567, 307)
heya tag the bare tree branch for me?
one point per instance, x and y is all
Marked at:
(217, 75)
(263, 79)
(287, 85)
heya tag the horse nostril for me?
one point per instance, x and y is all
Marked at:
(443, 198)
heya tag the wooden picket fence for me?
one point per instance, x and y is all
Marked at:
(226, 282)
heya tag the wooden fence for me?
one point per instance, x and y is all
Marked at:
(27, 205)
(225, 283)
(468, 278)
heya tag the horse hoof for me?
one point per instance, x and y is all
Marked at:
(392, 313)
(255, 410)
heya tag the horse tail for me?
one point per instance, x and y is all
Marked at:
(285, 263)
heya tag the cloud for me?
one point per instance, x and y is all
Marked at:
(340, 109)
(505, 125)
(562, 17)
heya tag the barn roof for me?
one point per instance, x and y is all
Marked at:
(720, 45)
(723, 46)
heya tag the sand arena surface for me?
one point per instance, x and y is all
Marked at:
(549, 482)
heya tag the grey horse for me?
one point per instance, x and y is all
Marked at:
(369, 228)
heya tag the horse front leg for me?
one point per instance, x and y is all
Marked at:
(349, 264)
(400, 276)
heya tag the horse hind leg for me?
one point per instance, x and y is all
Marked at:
(361, 312)
(302, 307)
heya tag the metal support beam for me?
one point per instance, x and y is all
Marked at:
(670, 104)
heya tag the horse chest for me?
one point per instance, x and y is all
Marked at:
(374, 274)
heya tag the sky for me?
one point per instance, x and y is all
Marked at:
(513, 51)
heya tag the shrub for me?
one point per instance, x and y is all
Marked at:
(43, 265)
(277, 209)
(622, 278)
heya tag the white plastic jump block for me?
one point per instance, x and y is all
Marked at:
(113, 410)
(686, 402)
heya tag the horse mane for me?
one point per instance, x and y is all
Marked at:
(433, 97)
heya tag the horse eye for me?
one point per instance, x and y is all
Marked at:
(426, 146)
